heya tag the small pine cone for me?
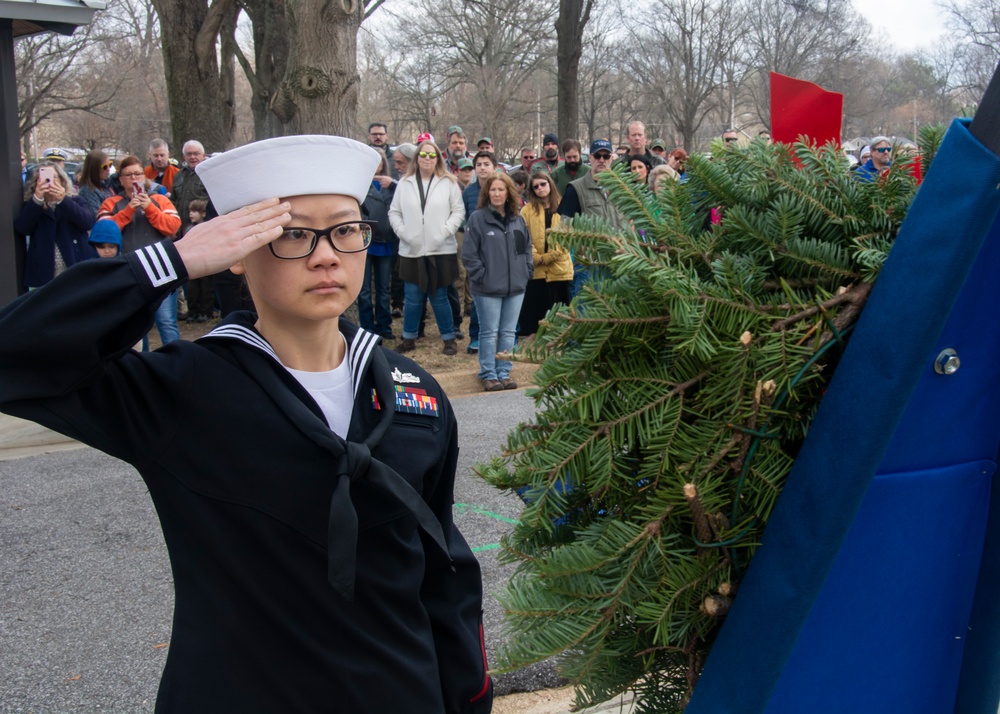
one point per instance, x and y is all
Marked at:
(716, 605)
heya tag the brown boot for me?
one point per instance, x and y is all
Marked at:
(450, 348)
(406, 345)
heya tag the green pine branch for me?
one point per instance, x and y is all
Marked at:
(672, 397)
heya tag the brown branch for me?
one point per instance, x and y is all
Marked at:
(850, 312)
(702, 524)
(204, 42)
(858, 292)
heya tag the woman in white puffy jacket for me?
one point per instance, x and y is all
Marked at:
(425, 213)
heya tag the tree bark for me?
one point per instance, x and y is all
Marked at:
(270, 40)
(195, 89)
(319, 92)
(572, 20)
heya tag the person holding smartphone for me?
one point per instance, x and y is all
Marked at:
(57, 220)
(144, 219)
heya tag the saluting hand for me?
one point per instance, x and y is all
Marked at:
(220, 243)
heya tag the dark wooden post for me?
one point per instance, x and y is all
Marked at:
(12, 246)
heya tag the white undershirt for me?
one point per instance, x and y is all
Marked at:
(332, 391)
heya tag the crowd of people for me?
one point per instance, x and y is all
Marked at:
(374, 574)
(440, 239)
(471, 236)
(111, 209)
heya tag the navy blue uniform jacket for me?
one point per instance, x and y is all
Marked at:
(263, 508)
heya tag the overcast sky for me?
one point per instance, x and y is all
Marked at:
(909, 23)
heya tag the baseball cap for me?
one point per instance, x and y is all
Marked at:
(465, 164)
(487, 139)
(601, 145)
(658, 144)
(454, 129)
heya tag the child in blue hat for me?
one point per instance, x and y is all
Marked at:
(106, 239)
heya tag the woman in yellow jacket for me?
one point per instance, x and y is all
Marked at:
(553, 264)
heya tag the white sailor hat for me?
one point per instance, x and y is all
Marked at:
(289, 166)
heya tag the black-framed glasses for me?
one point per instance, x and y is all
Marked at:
(883, 149)
(348, 237)
(602, 157)
(730, 139)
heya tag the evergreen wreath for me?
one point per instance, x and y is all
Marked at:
(672, 397)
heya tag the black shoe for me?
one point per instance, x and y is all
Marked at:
(388, 337)
(406, 345)
(459, 335)
(396, 312)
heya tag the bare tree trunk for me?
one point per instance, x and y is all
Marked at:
(227, 73)
(270, 40)
(319, 92)
(194, 85)
(573, 18)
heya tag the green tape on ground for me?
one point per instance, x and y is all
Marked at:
(461, 508)
(491, 546)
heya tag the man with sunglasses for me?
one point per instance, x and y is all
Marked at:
(879, 161)
(585, 196)
(527, 158)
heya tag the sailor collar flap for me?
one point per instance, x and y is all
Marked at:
(353, 459)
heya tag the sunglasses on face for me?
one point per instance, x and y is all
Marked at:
(538, 186)
(428, 155)
(730, 139)
(602, 157)
(529, 157)
(106, 166)
(884, 149)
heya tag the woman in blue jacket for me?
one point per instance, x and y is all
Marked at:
(497, 257)
(57, 221)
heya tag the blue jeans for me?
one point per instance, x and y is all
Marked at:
(165, 320)
(378, 268)
(414, 306)
(497, 323)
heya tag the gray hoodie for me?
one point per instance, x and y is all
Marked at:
(497, 254)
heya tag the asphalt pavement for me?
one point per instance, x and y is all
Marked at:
(86, 593)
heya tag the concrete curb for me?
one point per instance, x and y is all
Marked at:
(20, 438)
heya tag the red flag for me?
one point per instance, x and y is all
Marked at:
(803, 108)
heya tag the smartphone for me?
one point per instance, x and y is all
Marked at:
(46, 175)
(136, 189)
